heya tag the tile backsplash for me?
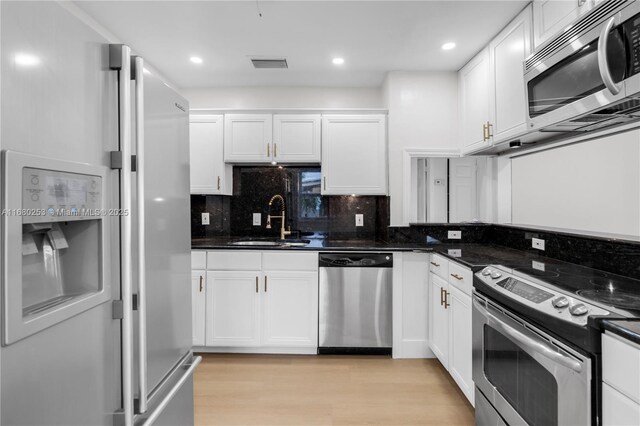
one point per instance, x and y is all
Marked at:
(307, 211)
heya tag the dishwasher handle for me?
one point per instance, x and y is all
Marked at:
(355, 260)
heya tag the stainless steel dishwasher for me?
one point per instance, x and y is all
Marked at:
(355, 303)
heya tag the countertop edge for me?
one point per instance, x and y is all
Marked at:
(617, 326)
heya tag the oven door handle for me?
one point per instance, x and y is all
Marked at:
(527, 342)
(603, 62)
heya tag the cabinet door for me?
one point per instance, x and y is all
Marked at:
(233, 308)
(552, 16)
(460, 340)
(247, 138)
(209, 173)
(290, 309)
(508, 101)
(439, 319)
(473, 82)
(618, 409)
(296, 138)
(354, 155)
(198, 302)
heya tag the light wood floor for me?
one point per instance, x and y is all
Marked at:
(326, 390)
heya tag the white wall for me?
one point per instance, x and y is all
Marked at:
(437, 202)
(285, 97)
(423, 112)
(589, 186)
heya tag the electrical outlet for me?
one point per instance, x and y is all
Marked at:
(454, 235)
(205, 218)
(359, 220)
(537, 243)
(257, 219)
(454, 252)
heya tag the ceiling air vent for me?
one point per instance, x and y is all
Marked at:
(269, 63)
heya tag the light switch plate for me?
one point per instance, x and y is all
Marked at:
(359, 220)
(454, 235)
(537, 243)
(537, 265)
(205, 218)
(257, 219)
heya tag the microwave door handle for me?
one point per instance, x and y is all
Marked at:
(527, 342)
(603, 62)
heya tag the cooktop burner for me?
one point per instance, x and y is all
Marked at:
(616, 299)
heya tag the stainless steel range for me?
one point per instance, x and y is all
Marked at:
(536, 341)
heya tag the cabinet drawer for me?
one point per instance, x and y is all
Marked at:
(289, 261)
(234, 260)
(439, 265)
(621, 365)
(460, 277)
(617, 409)
(198, 259)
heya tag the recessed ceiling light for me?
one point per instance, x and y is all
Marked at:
(196, 59)
(448, 46)
(26, 60)
(338, 61)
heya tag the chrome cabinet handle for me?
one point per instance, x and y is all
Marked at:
(201, 283)
(527, 342)
(437, 265)
(121, 56)
(268, 150)
(265, 283)
(275, 149)
(256, 284)
(603, 62)
(218, 183)
(457, 277)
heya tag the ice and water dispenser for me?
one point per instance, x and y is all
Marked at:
(55, 252)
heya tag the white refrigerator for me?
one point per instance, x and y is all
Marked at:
(96, 308)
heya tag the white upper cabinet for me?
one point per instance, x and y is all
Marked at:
(209, 173)
(508, 101)
(354, 154)
(473, 83)
(492, 90)
(248, 138)
(296, 138)
(552, 16)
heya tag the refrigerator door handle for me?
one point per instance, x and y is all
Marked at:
(142, 280)
(172, 392)
(120, 58)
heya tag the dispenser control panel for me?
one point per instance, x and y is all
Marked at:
(49, 195)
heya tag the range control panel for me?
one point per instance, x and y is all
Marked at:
(533, 293)
(49, 196)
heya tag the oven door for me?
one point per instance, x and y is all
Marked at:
(580, 73)
(528, 377)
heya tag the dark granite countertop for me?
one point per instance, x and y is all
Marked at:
(627, 328)
(316, 244)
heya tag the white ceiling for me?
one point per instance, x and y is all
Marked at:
(373, 37)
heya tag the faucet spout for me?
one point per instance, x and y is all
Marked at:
(283, 232)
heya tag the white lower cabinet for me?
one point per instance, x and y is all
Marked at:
(460, 358)
(271, 308)
(621, 381)
(450, 321)
(198, 301)
(439, 319)
(233, 308)
(290, 309)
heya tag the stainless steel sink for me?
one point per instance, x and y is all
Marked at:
(256, 243)
(268, 243)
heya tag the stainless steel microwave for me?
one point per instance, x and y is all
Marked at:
(587, 77)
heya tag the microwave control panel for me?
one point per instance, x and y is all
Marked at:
(631, 31)
(60, 196)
